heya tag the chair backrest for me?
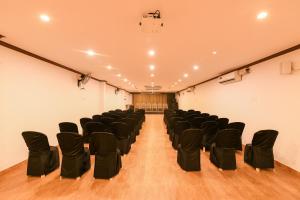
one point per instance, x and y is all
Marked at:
(265, 138)
(70, 144)
(237, 125)
(121, 130)
(227, 138)
(92, 127)
(212, 118)
(190, 140)
(104, 143)
(204, 115)
(68, 127)
(191, 117)
(173, 120)
(130, 122)
(222, 123)
(209, 127)
(96, 118)
(35, 141)
(196, 122)
(83, 122)
(107, 120)
(180, 126)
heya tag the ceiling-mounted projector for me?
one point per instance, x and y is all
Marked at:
(151, 22)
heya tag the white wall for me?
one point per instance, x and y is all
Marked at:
(37, 96)
(263, 100)
(116, 99)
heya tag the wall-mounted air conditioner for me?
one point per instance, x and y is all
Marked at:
(230, 78)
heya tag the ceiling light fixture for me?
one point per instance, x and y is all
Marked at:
(195, 67)
(152, 67)
(125, 79)
(262, 15)
(185, 75)
(179, 80)
(214, 52)
(119, 75)
(45, 18)
(90, 52)
(151, 53)
(151, 75)
(109, 67)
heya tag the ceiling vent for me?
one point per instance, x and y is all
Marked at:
(153, 88)
(151, 22)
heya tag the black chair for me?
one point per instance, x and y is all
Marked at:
(239, 126)
(107, 121)
(205, 115)
(42, 158)
(179, 127)
(96, 118)
(83, 122)
(222, 151)
(222, 123)
(130, 123)
(76, 158)
(122, 133)
(68, 127)
(197, 122)
(259, 154)
(212, 118)
(188, 155)
(92, 127)
(107, 155)
(209, 133)
(171, 125)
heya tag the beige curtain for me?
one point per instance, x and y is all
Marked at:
(148, 99)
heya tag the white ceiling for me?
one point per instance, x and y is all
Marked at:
(193, 29)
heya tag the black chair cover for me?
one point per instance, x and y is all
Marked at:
(107, 157)
(83, 122)
(212, 118)
(42, 158)
(222, 123)
(239, 126)
(172, 122)
(259, 154)
(122, 133)
(76, 158)
(222, 151)
(179, 127)
(92, 127)
(97, 118)
(209, 133)
(197, 122)
(68, 127)
(188, 155)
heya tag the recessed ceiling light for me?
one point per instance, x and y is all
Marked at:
(195, 67)
(109, 67)
(179, 80)
(45, 18)
(214, 52)
(90, 52)
(185, 75)
(151, 75)
(262, 15)
(125, 79)
(175, 83)
(119, 75)
(151, 52)
(152, 67)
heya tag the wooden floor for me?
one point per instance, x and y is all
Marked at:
(150, 171)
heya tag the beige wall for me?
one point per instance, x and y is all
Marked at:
(263, 100)
(116, 100)
(37, 96)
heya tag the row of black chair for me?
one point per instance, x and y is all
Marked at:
(107, 139)
(191, 130)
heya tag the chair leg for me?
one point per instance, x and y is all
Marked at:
(257, 169)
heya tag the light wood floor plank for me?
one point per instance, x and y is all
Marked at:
(150, 171)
